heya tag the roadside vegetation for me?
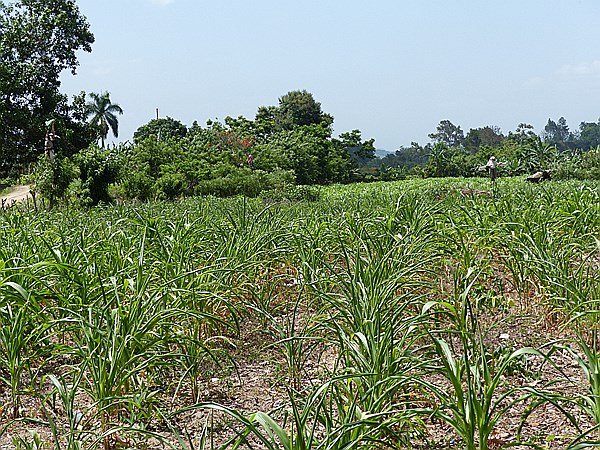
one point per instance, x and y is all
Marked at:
(414, 314)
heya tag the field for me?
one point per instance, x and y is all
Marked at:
(417, 314)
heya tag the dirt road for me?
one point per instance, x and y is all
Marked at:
(18, 194)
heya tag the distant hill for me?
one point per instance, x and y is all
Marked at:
(381, 153)
(407, 157)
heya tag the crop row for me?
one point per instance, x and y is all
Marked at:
(382, 304)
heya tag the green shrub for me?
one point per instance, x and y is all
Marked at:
(52, 178)
(137, 184)
(170, 185)
(578, 166)
(6, 183)
(250, 183)
(99, 168)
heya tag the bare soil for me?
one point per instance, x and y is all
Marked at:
(18, 194)
(255, 379)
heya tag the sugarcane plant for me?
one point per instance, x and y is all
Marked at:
(478, 398)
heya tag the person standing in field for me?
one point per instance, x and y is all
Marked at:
(492, 166)
(51, 136)
(250, 161)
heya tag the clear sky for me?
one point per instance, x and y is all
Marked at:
(391, 68)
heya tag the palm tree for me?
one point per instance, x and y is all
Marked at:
(101, 113)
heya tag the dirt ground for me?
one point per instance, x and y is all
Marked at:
(19, 194)
(258, 384)
(258, 381)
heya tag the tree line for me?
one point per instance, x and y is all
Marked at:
(451, 152)
(286, 145)
(60, 143)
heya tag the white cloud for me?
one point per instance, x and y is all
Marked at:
(581, 69)
(582, 72)
(162, 2)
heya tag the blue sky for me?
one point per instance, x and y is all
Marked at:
(393, 69)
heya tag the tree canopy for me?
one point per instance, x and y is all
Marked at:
(476, 138)
(38, 40)
(102, 114)
(589, 135)
(448, 133)
(167, 128)
(297, 108)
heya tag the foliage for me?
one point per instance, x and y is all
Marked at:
(52, 178)
(38, 40)
(170, 185)
(536, 155)
(449, 134)
(447, 161)
(166, 128)
(476, 138)
(23, 326)
(473, 405)
(111, 318)
(561, 152)
(98, 169)
(360, 152)
(299, 108)
(578, 165)
(406, 157)
(142, 169)
(250, 184)
(307, 151)
(590, 163)
(558, 134)
(241, 156)
(589, 135)
(101, 113)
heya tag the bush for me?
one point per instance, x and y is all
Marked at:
(293, 193)
(170, 186)
(99, 168)
(5, 183)
(52, 178)
(235, 183)
(250, 183)
(579, 166)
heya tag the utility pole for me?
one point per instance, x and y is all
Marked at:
(158, 135)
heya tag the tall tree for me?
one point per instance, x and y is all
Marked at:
(558, 133)
(38, 40)
(407, 157)
(167, 128)
(449, 134)
(523, 135)
(490, 136)
(297, 108)
(101, 113)
(265, 121)
(358, 151)
(589, 135)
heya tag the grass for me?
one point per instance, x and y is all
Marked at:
(363, 307)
